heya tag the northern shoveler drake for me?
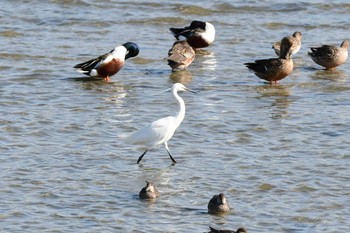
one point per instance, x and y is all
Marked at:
(110, 63)
(198, 35)
(239, 230)
(330, 56)
(149, 191)
(275, 69)
(180, 56)
(296, 38)
(218, 204)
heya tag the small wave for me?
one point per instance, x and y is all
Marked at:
(193, 10)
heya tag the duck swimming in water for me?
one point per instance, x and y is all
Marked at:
(296, 41)
(149, 191)
(239, 230)
(218, 204)
(275, 69)
(330, 56)
(198, 35)
(109, 64)
(180, 56)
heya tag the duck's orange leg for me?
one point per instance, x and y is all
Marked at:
(107, 79)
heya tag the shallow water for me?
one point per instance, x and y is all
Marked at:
(279, 153)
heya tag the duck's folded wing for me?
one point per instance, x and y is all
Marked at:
(87, 66)
(264, 65)
(185, 32)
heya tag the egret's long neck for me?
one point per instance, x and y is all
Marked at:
(182, 109)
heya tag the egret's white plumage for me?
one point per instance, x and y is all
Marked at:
(160, 131)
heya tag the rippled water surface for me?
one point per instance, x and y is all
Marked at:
(279, 153)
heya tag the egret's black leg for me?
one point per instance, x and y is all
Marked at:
(140, 158)
(171, 157)
(167, 149)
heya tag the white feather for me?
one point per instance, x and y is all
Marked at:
(209, 34)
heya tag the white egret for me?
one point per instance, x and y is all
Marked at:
(161, 130)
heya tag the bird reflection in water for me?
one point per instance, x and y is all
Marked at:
(281, 95)
(183, 76)
(206, 59)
